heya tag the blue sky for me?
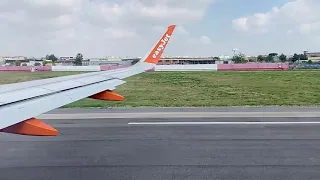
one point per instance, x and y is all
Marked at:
(130, 27)
(217, 25)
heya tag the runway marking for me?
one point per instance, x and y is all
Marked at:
(178, 115)
(219, 123)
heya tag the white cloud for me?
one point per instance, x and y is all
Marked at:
(309, 28)
(94, 27)
(114, 33)
(202, 40)
(301, 15)
(241, 24)
(180, 30)
(290, 28)
(205, 40)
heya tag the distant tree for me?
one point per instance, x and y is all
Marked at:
(52, 57)
(269, 59)
(24, 64)
(273, 54)
(79, 58)
(37, 64)
(44, 63)
(239, 58)
(309, 62)
(295, 57)
(260, 58)
(17, 63)
(303, 57)
(283, 58)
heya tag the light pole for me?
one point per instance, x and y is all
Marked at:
(234, 51)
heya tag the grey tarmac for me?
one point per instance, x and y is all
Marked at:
(110, 148)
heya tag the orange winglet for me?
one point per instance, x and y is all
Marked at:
(32, 127)
(108, 95)
(157, 51)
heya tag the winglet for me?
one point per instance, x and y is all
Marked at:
(154, 55)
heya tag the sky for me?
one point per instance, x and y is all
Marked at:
(99, 28)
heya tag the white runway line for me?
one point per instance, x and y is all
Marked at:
(178, 115)
(218, 123)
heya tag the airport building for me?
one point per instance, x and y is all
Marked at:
(12, 60)
(23, 61)
(110, 62)
(190, 60)
(69, 61)
(187, 60)
(313, 56)
(118, 61)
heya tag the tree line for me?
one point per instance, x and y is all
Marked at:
(282, 57)
(240, 58)
(53, 59)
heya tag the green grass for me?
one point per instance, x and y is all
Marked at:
(14, 77)
(178, 89)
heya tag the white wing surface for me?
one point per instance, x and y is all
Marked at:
(20, 102)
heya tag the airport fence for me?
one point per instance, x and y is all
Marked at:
(224, 67)
(189, 67)
(308, 66)
(25, 68)
(254, 67)
(58, 68)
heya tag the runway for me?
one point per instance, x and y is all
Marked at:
(169, 143)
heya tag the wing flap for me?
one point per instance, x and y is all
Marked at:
(69, 84)
(92, 79)
(22, 94)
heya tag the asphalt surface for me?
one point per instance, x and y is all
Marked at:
(110, 147)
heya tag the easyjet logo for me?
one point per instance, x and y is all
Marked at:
(161, 46)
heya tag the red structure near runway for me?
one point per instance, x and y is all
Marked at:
(254, 67)
(25, 68)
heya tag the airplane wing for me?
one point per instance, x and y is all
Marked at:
(21, 102)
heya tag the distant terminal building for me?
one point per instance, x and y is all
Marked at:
(313, 56)
(69, 61)
(12, 60)
(22, 60)
(186, 60)
(110, 60)
(190, 60)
